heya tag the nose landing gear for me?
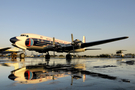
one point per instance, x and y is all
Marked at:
(22, 55)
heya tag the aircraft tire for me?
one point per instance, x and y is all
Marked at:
(22, 56)
(14, 56)
(68, 56)
(47, 56)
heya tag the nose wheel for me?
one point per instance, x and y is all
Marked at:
(22, 55)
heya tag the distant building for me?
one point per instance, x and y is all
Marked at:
(129, 55)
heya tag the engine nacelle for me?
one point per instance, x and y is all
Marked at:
(78, 42)
(77, 50)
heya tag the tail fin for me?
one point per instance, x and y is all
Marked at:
(84, 40)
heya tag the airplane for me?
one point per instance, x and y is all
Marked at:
(12, 51)
(4, 49)
(44, 44)
(9, 50)
(119, 53)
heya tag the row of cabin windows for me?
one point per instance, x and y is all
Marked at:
(41, 40)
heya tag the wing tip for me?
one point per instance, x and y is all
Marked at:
(126, 37)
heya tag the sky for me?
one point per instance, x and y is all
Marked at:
(95, 19)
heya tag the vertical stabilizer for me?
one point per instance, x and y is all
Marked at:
(84, 40)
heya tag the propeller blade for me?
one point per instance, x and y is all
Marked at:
(54, 46)
(72, 38)
(53, 41)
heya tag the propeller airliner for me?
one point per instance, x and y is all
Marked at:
(44, 44)
(7, 50)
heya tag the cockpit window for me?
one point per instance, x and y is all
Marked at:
(21, 35)
(24, 35)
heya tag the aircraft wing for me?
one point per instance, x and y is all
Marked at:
(88, 44)
(5, 52)
(4, 49)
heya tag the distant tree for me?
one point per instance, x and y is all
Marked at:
(104, 55)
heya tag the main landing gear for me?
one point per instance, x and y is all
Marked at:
(13, 56)
(68, 56)
(47, 56)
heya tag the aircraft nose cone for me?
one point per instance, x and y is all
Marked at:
(13, 40)
(12, 77)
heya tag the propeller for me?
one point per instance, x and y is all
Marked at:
(73, 43)
(55, 46)
(72, 39)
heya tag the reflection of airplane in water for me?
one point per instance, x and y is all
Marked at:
(43, 44)
(42, 72)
